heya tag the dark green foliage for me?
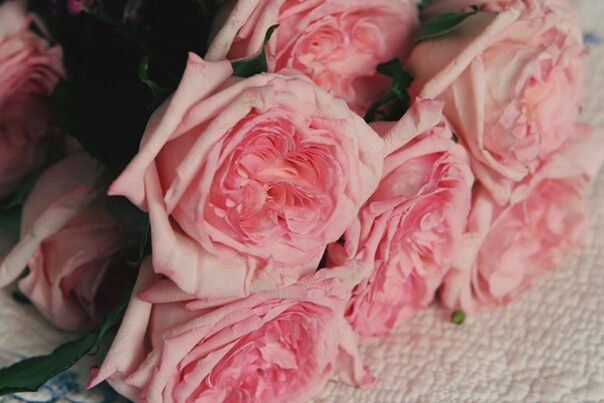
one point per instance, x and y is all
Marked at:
(395, 102)
(107, 51)
(443, 23)
(159, 93)
(255, 64)
(31, 373)
(130, 218)
(20, 298)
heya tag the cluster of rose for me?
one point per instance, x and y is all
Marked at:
(310, 174)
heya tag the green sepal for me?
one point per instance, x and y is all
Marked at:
(397, 98)
(458, 317)
(443, 24)
(255, 64)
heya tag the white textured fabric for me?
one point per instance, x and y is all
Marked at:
(546, 346)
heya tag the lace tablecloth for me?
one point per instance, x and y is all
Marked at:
(546, 346)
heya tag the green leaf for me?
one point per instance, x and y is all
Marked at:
(255, 64)
(458, 317)
(159, 93)
(396, 99)
(30, 374)
(443, 23)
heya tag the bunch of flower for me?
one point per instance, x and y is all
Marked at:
(314, 173)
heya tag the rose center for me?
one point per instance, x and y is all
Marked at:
(277, 181)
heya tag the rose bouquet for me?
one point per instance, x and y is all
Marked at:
(240, 192)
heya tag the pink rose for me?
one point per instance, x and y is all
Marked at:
(29, 69)
(337, 43)
(511, 83)
(409, 231)
(69, 241)
(249, 179)
(282, 345)
(506, 248)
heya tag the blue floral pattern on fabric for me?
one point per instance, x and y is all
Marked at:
(66, 388)
(590, 38)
